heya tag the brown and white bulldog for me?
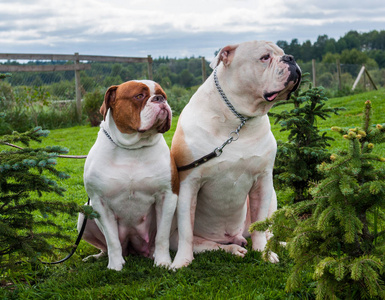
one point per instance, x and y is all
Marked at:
(220, 197)
(130, 177)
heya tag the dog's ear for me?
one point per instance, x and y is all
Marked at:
(226, 56)
(109, 98)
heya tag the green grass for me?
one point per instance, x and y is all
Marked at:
(214, 275)
(351, 117)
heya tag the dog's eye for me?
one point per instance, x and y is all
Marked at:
(139, 97)
(265, 57)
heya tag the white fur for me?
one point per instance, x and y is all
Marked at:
(129, 184)
(213, 211)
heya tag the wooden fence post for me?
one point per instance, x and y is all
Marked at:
(78, 90)
(313, 70)
(358, 77)
(370, 79)
(203, 69)
(149, 67)
(339, 74)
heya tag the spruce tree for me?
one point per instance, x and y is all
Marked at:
(27, 230)
(297, 159)
(339, 241)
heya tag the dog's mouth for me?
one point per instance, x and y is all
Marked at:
(271, 96)
(164, 120)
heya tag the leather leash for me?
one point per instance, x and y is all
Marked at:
(77, 242)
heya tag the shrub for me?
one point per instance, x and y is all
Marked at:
(63, 90)
(6, 95)
(336, 234)
(33, 100)
(25, 174)
(92, 103)
(297, 159)
(178, 97)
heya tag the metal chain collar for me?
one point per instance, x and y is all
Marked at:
(234, 135)
(227, 101)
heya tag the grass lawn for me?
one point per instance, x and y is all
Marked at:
(213, 275)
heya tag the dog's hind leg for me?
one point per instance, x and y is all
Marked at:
(94, 236)
(95, 256)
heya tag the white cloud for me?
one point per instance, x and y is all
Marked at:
(199, 26)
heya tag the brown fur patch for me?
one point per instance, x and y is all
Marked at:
(126, 102)
(180, 151)
(159, 90)
(174, 177)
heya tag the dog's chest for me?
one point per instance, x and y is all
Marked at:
(128, 181)
(230, 176)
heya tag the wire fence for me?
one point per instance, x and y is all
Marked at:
(328, 75)
(61, 84)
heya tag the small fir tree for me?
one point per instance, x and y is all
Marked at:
(25, 174)
(339, 240)
(297, 159)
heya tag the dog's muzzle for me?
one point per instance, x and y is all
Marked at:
(295, 76)
(294, 71)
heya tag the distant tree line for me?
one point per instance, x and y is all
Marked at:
(352, 48)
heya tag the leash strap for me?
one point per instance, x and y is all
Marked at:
(234, 135)
(77, 242)
(198, 162)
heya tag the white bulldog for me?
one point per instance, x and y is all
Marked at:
(130, 177)
(223, 186)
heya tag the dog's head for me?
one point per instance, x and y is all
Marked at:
(260, 68)
(138, 106)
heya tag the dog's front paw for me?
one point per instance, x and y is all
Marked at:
(116, 264)
(235, 249)
(180, 264)
(271, 257)
(162, 261)
(181, 261)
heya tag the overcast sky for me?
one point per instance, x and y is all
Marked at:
(174, 28)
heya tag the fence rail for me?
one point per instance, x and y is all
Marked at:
(43, 68)
(76, 66)
(73, 57)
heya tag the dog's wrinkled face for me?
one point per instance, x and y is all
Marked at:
(138, 106)
(262, 69)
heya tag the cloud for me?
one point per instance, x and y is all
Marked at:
(167, 28)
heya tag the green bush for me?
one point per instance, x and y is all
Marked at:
(92, 103)
(297, 159)
(26, 225)
(62, 90)
(27, 107)
(178, 97)
(336, 235)
(6, 95)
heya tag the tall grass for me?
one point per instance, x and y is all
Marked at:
(213, 275)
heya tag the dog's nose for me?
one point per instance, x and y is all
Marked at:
(158, 98)
(288, 59)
